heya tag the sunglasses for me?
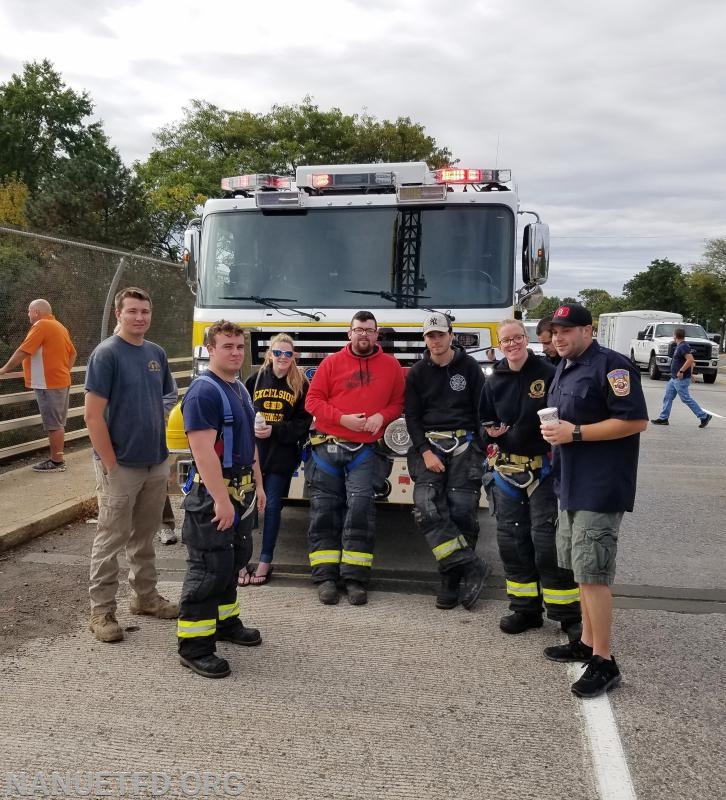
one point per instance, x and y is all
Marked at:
(281, 353)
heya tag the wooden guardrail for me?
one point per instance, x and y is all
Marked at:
(28, 396)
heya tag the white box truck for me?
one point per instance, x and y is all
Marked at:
(615, 330)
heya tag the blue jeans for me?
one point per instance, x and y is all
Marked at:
(680, 387)
(276, 487)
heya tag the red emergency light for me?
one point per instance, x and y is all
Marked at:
(466, 175)
(255, 181)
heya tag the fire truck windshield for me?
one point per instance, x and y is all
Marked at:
(456, 256)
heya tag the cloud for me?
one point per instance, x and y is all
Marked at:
(610, 115)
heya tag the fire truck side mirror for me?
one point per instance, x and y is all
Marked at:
(535, 253)
(190, 255)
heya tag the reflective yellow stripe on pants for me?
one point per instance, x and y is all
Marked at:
(448, 547)
(522, 589)
(357, 559)
(192, 629)
(229, 610)
(561, 597)
(324, 557)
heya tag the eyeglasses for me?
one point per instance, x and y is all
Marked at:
(364, 331)
(518, 338)
(281, 353)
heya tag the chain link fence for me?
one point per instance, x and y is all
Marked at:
(76, 278)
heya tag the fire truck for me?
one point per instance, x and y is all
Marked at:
(397, 239)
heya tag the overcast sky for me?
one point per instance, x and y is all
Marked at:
(611, 115)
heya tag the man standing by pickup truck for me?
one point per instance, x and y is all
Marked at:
(682, 363)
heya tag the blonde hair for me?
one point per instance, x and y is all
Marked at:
(295, 379)
(511, 322)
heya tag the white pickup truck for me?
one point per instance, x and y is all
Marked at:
(652, 349)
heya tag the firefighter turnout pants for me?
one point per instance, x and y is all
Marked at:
(341, 535)
(446, 504)
(526, 539)
(209, 593)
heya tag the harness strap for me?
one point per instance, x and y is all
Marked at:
(228, 418)
(338, 472)
(459, 440)
(323, 438)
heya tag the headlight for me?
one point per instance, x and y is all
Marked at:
(397, 437)
(488, 370)
(714, 351)
(662, 349)
(200, 366)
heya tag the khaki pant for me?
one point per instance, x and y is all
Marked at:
(130, 502)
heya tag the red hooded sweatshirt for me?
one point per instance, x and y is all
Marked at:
(349, 384)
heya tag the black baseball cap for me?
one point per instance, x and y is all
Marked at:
(572, 316)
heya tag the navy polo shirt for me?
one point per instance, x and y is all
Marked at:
(597, 385)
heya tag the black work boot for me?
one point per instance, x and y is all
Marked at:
(472, 582)
(210, 666)
(357, 594)
(570, 652)
(448, 595)
(238, 634)
(520, 621)
(328, 593)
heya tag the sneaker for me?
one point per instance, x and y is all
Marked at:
(210, 666)
(572, 629)
(473, 582)
(447, 596)
(572, 651)
(154, 605)
(519, 622)
(659, 421)
(599, 677)
(239, 634)
(60, 466)
(328, 593)
(357, 594)
(105, 627)
(167, 536)
(703, 424)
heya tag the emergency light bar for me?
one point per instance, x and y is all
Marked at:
(348, 180)
(461, 175)
(256, 181)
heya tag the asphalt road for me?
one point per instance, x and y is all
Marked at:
(396, 699)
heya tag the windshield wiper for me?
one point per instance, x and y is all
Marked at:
(272, 302)
(393, 297)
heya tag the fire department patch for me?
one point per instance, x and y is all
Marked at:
(619, 379)
(537, 389)
(458, 383)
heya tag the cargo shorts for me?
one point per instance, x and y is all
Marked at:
(587, 543)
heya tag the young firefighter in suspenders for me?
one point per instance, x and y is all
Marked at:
(445, 462)
(354, 394)
(521, 488)
(219, 422)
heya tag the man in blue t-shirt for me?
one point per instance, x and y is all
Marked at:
(217, 530)
(682, 364)
(602, 412)
(126, 379)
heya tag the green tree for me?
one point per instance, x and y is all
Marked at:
(192, 156)
(706, 288)
(662, 287)
(547, 307)
(41, 121)
(91, 195)
(599, 301)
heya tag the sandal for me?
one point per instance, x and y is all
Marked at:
(245, 575)
(261, 580)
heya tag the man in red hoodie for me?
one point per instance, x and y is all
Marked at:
(353, 396)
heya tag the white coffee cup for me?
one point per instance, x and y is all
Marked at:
(547, 415)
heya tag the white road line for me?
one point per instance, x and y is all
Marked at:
(608, 759)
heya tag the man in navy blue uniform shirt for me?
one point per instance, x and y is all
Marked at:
(602, 411)
(681, 377)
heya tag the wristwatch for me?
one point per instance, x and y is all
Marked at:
(576, 434)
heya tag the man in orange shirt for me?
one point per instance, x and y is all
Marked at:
(47, 355)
